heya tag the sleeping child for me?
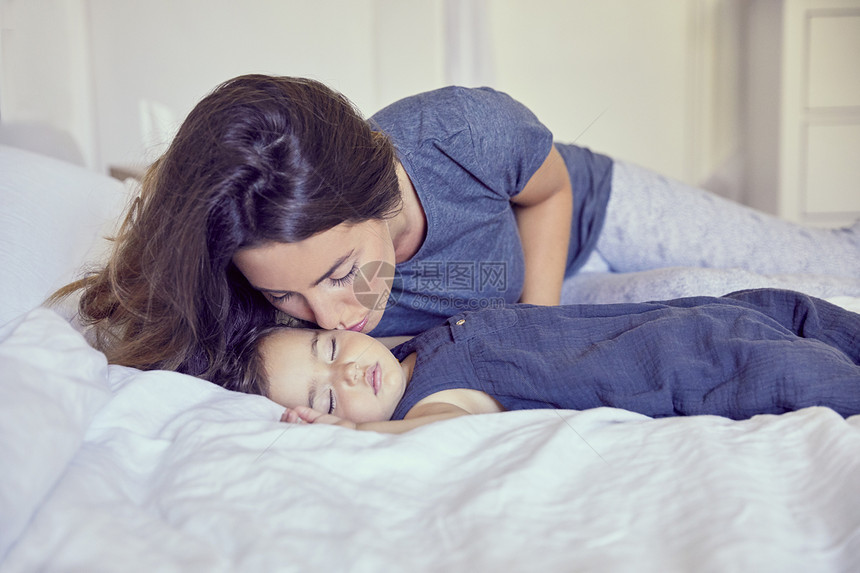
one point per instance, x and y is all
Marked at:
(752, 352)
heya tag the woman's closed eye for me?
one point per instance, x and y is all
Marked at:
(345, 279)
(336, 281)
(281, 298)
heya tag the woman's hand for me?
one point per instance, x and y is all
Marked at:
(305, 415)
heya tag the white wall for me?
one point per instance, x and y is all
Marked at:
(170, 53)
(163, 55)
(45, 72)
(105, 71)
(653, 82)
(599, 75)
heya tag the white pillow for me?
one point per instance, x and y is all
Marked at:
(53, 217)
(52, 383)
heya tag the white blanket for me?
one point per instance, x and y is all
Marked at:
(109, 468)
(112, 469)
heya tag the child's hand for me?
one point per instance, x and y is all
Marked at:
(305, 415)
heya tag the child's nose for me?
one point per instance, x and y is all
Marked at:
(347, 373)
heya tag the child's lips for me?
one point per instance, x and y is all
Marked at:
(373, 377)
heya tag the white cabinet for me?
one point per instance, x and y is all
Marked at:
(816, 144)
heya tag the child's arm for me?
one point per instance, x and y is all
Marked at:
(440, 406)
(418, 416)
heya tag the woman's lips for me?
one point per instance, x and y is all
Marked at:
(357, 327)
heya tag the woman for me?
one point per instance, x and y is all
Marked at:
(277, 194)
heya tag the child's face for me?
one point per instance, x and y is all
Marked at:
(341, 372)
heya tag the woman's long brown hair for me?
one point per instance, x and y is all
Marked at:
(260, 159)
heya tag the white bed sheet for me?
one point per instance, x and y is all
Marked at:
(110, 468)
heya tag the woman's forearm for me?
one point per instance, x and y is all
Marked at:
(544, 221)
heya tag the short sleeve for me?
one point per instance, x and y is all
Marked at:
(509, 142)
(484, 132)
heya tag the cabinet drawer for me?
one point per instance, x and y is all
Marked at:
(834, 59)
(832, 182)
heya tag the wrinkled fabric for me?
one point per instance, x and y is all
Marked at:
(468, 152)
(752, 352)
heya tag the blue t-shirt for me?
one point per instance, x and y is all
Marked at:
(753, 352)
(467, 153)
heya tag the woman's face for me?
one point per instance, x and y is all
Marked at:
(339, 279)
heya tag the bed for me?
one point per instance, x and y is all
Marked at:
(108, 468)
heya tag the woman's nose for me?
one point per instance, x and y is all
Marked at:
(327, 313)
(326, 321)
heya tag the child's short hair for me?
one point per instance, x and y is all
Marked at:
(245, 371)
